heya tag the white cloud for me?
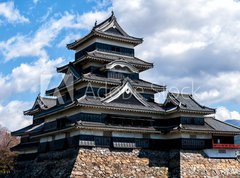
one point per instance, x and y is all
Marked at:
(196, 42)
(221, 87)
(44, 17)
(35, 1)
(34, 45)
(11, 14)
(34, 77)
(28, 77)
(68, 39)
(223, 114)
(11, 115)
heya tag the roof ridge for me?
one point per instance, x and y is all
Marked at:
(188, 94)
(226, 123)
(207, 123)
(202, 106)
(108, 19)
(170, 95)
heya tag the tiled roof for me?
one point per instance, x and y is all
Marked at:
(138, 83)
(212, 125)
(186, 102)
(22, 146)
(220, 126)
(113, 81)
(41, 103)
(29, 129)
(96, 102)
(110, 57)
(204, 127)
(109, 28)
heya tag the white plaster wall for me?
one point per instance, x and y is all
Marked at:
(127, 135)
(198, 135)
(74, 133)
(46, 139)
(167, 136)
(60, 136)
(214, 153)
(91, 132)
(28, 151)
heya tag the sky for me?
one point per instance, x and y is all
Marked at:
(194, 45)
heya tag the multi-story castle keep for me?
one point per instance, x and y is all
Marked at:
(102, 102)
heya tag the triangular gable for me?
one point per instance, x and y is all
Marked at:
(125, 94)
(111, 26)
(38, 104)
(171, 100)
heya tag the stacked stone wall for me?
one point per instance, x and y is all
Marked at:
(196, 164)
(100, 162)
(104, 162)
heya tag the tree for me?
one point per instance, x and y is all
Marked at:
(6, 156)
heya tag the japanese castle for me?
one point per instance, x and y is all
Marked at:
(102, 102)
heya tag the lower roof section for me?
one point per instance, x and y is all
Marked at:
(210, 126)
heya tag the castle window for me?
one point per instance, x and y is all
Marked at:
(192, 120)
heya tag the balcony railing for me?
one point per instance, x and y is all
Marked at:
(226, 146)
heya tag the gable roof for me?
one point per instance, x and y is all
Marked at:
(96, 102)
(70, 67)
(186, 102)
(110, 25)
(109, 29)
(40, 104)
(127, 88)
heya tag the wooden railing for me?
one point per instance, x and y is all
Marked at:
(226, 146)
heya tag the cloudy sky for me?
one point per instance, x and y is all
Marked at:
(194, 45)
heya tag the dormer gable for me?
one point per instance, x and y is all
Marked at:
(120, 66)
(125, 94)
(40, 104)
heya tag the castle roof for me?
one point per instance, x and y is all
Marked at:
(212, 125)
(41, 104)
(185, 103)
(109, 29)
(107, 57)
(89, 77)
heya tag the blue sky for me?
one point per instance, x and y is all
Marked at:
(194, 47)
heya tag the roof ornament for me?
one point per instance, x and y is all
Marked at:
(112, 13)
(39, 96)
(95, 23)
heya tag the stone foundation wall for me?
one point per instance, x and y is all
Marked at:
(103, 162)
(195, 164)
(99, 162)
(53, 164)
